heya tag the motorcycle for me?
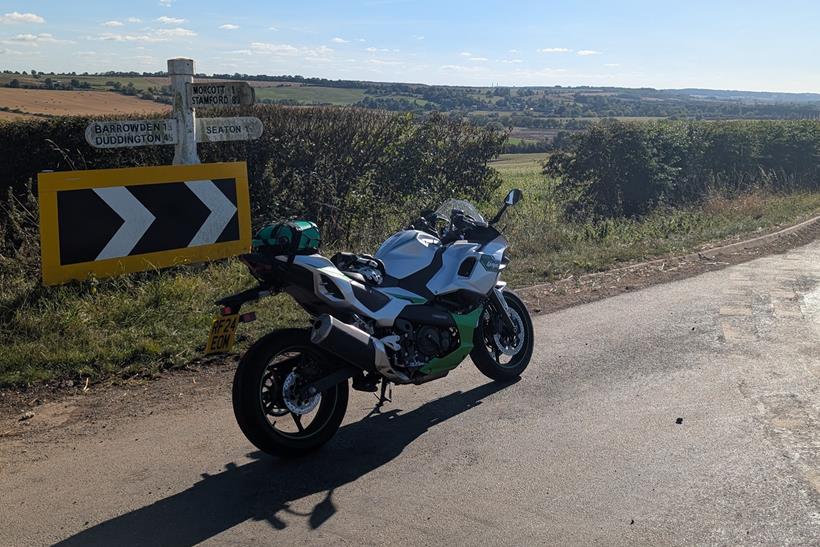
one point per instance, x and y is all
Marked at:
(411, 313)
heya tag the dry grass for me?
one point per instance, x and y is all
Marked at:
(75, 103)
(14, 116)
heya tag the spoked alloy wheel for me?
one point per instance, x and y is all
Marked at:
(501, 353)
(273, 408)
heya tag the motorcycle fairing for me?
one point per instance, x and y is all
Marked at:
(341, 292)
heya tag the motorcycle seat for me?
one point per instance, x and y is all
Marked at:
(347, 262)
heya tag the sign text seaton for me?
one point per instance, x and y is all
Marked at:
(228, 129)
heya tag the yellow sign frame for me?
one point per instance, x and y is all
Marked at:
(50, 183)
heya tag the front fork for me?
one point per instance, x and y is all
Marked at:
(498, 302)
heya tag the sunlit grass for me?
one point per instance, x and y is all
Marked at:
(145, 323)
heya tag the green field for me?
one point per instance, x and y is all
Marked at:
(312, 94)
(97, 83)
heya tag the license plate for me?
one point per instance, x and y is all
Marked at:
(223, 334)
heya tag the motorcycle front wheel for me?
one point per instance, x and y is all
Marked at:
(272, 411)
(501, 354)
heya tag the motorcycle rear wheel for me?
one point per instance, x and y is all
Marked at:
(266, 403)
(493, 345)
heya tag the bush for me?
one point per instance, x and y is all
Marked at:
(627, 169)
(358, 173)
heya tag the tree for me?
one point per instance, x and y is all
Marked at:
(15, 83)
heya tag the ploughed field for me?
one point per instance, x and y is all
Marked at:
(73, 103)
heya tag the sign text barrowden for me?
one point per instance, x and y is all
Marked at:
(127, 133)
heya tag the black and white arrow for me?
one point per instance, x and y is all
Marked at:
(114, 222)
(137, 219)
(222, 211)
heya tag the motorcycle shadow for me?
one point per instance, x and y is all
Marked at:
(264, 488)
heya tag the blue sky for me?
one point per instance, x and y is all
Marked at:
(752, 45)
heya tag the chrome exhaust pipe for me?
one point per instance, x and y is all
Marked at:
(354, 346)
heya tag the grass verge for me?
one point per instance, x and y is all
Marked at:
(145, 323)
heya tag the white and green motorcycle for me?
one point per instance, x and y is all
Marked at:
(427, 299)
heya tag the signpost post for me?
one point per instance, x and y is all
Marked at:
(181, 72)
(113, 221)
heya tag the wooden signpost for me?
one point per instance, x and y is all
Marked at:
(113, 221)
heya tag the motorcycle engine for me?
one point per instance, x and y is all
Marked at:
(432, 341)
(420, 343)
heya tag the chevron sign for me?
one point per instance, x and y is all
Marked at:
(113, 221)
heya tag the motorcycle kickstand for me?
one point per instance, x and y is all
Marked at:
(383, 398)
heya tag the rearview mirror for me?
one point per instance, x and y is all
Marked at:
(514, 196)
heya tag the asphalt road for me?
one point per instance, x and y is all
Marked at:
(585, 449)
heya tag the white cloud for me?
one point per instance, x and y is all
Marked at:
(86, 53)
(175, 33)
(160, 35)
(170, 20)
(588, 52)
(321, 51)
(273, 29)
(463, 69)
(419, 37)
(478, 59)
(554, 50)
(17, 17)
(287, 50)
(612, 65)
(383, 62)
(513, 51)
(361, 40)
(166, 3)
(112, 37)
(113, 24)
(241, 52)
(134, 20)
(35, 40)
(229, 26)
(338, 40)
(511, 61)
(466, 54)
